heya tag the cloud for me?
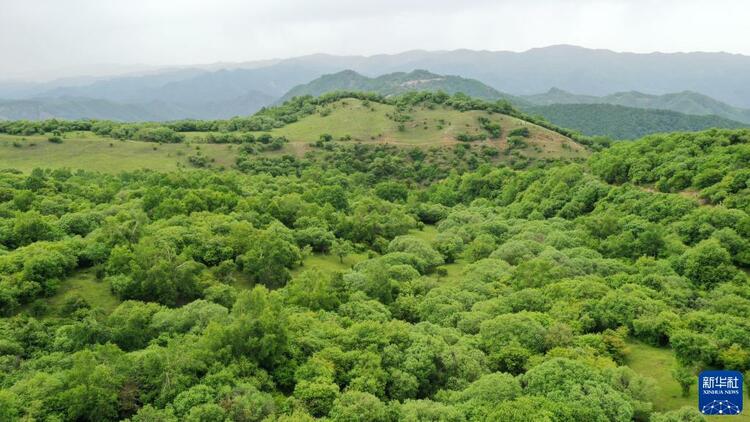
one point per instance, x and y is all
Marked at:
(53, 37)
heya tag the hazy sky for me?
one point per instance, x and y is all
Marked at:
(46, 38)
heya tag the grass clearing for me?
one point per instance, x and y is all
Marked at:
(87, 151)
(427, 233)
(328, 264)
(83, 284)
(657, 363)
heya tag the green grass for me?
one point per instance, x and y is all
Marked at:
(86, 150)
(96, 293)
(427, 233)
(328, 264)
(657, 363)
(437, 126)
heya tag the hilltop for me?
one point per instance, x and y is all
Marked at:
(687, 102)
(296, 128)
(397, 83)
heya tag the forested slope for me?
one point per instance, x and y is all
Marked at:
(491, 293)
(619, 122)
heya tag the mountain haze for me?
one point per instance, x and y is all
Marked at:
(723, 76)
(73, 108)
(230, 89)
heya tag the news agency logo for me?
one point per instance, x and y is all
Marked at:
(720, 392)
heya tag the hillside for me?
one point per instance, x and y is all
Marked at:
(426, 125)
(396, 83)
(343, 119)
(686, 102)
(620, 122)
(713, 166)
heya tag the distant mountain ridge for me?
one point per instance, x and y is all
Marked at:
(241, 89)
(686, 102)
(396, 83)
(73, 108)
(77, 108)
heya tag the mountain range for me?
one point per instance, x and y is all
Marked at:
(231, 89)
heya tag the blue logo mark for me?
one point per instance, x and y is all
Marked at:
(720, 392)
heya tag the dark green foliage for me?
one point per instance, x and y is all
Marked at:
(466, 137)
(618, 122)
(493, 129)
(521, 131)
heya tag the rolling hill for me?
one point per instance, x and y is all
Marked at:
(346, 121)
(686, 102)
(619, 122)
(396, 83)
(370, 122)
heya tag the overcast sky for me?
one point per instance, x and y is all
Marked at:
(48, 38)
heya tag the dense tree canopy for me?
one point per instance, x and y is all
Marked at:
(491, 293)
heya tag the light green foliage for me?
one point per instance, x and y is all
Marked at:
(685, 414)
(355, 406)
(708, 263)
(367, 283)
(685, 376)
(427, 258)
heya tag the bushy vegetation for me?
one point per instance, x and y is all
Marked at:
(490, 293)
(714, 164)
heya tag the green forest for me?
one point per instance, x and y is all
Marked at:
(619, 122)
(514, 271)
